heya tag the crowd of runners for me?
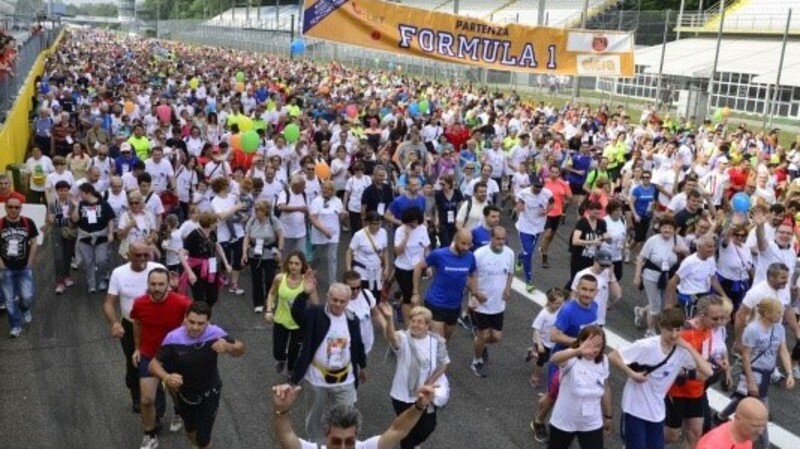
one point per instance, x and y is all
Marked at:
(168, 170)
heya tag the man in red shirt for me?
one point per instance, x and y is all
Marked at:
(562, 194)
(154, 315)
(6, 192)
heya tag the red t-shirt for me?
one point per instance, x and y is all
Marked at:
(701, 342)
(722, 438)
(12, 194)
(157, 319)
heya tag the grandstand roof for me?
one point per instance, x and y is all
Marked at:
(694, 57)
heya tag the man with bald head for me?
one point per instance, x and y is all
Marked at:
(453, 270)
(747, 425)
(128, 282)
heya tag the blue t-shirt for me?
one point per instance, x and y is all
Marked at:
(642, 197)
(572, 318)
(402, 203)
(447, 287)
(579, 162)
(480, 237)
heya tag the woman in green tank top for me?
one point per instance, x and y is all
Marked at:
(286, 338)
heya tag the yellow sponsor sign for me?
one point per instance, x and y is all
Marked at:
(466, 40)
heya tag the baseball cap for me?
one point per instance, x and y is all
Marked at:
(603, 258)
(125, 147)
(537, 182)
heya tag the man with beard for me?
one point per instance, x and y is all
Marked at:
(154, 315)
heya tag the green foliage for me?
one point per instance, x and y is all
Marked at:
(675, 5)
(92, 9)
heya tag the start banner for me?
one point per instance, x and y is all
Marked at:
(446, 37)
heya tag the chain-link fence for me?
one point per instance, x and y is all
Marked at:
(28, 52)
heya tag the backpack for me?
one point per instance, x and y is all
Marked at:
(278, 212)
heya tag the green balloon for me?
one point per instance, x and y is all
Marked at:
(292, 133)
(423, 106)
(250, 141)
(240, 77)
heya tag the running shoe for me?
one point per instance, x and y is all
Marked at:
(279, 366)
(776, 376)
(518, 266)
(545, 263)
(796, 372)
(259, 309)
(176, 424)
(530, 354)
(478, 369)
(539, 432)
(68, 282)
(465, 321)
(236, 290)
(529, 287)
(15, 332)
(149, 442)
(27, 317)
(59, 288)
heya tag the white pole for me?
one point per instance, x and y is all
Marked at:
(773, 105)
(716, 56)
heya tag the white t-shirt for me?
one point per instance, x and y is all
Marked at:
(618, 233)
(45, 164)
(185, 182)
(361, 306)
(774, 254)
(160, 172)
(172, 246)
(220, 206)
(695, 275)
(118, 202)
(491, 187)
(475, 217)
(371, 443)
(660, 252)
(187, 227)
(493, 272)
(366, 261)
(646, 400)
(578, 407)
(145, 224)
(762, 290)
(544, 322)
(216, 169)
(129, 285)
(601, 297)
(532, 219)
(294, 223)
(339, 174)
(328, 213)
(415, 247)
(129, 181)
(427, 349)
(333, 353)
(153, 203)
(54, 177)
(356, 188)
(734, 262)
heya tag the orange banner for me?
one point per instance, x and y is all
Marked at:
(467, 40)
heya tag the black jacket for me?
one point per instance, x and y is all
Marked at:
(314, 324)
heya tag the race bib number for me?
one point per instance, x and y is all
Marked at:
(13, 248)
(451, 217)
(259, 247)
(91, 215)
(212, 265)
(381, 208)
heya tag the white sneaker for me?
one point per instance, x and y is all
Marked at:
(27, 317)
(15, 332)
(638, 317)
(796, 372)
(176, 424)
(149, 442)
(776, 376)
(259, 309)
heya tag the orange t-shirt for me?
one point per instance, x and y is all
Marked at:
(560, 190)
(722, 438)
(701, 342)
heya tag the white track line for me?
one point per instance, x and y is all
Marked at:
(778, 436)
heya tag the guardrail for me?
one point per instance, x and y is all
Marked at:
(26, 57)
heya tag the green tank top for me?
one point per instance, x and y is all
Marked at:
(286, 296)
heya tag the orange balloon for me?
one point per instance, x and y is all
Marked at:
(236, 142)
(240, 87)
(322, 171)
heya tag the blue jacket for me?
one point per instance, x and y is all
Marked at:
(314, 324)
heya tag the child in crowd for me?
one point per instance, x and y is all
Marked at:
(542, 325)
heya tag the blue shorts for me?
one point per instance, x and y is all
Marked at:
(144, 367)
(638, 433)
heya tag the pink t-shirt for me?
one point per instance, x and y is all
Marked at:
(722, 437)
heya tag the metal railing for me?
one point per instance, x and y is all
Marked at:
(28, 52)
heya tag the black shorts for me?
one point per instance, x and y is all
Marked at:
(442, 315)
(577, 189)
(679, 409)
(484, 321)
(199, 414)
(233, 252)
(640, 229)
(542, 357)
(552, 223)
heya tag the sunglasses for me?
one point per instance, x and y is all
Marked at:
(13, 207)
(135, 202)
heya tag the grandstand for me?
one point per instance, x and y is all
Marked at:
(262, 18)
(753, 17)
(747, 69)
